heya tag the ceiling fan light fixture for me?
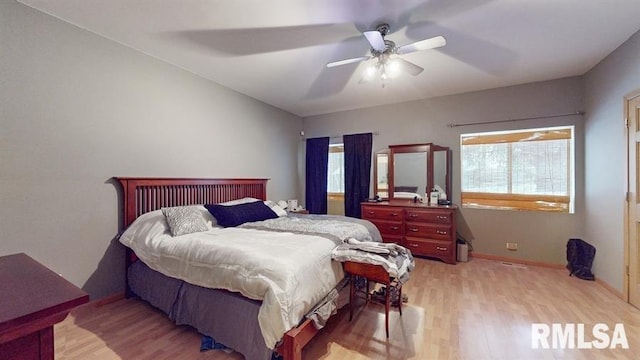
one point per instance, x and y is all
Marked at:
(370, 72)
(392, 68)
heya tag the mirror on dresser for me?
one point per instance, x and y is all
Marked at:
(412, 170)
(381, 174)
(441, 158)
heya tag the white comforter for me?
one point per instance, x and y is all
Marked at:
(289, 272)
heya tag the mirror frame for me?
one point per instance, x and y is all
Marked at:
(435, 148)
(429, 149)
(376, 190)
(403, 149)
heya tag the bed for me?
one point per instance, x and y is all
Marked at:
(232, 316)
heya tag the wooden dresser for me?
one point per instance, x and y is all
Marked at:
(33, 299)
(425, 230)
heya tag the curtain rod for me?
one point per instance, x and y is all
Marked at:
(375, 133)
(452, 125)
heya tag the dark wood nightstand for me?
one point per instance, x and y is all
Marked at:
(34, 298)
(378, 274)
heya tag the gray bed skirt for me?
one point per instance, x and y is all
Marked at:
(228, 317)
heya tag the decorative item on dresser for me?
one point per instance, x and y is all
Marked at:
(425, 230)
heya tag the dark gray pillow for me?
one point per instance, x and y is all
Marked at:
(234, 215)
(184, 220)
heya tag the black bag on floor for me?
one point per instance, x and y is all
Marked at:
(580, 256)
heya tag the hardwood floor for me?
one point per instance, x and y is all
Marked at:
(482, 309)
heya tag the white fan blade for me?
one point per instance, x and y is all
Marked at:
(408, 67)
(426, 44)
(348, 61)
(376, 40)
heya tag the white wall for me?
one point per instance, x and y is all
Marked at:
(606, 85)
(77, 109)
(540, 236)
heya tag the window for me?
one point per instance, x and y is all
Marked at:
(335, 176)
(529, 169)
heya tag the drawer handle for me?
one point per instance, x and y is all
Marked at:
(414, 230)
(441, 217)
(370, 212)
(413, 245)
(441, 248)
(393, 214)
(394, 228)
(413, 215)
(441, 232)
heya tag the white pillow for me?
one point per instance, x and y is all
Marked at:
(206, 215)
(146, 226)
(276, 208)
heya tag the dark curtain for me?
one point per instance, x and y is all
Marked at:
(357, 171)
(317, 165)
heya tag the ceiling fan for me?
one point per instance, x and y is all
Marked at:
(389, 65)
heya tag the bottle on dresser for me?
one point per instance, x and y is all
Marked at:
(434, 195)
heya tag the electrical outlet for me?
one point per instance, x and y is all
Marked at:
(512, 246)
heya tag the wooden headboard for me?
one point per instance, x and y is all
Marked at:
(142, 195)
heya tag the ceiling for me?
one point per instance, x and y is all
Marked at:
(276, 51)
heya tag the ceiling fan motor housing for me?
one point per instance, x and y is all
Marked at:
(383, 29)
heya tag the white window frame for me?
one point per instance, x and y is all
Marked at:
(335, 148)
(508, 199)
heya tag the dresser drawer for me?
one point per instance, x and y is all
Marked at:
(392, 239)
(433, 231)
(431, 216)
(435, 248)
(382, 213)
(388, 227)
